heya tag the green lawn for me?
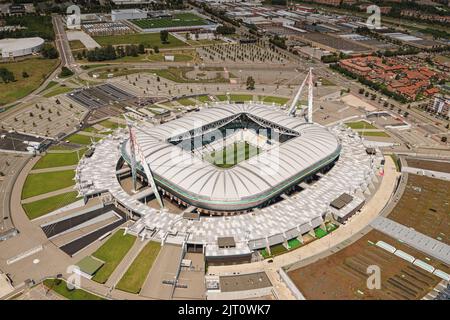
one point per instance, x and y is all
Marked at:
(272, 99)
(233, 154)
(39, 208)
(294, 243)
(374, 134)
(57, 90)
(76, 45)
(51, 84)
(40, 183)
(135, 276)
(178, 20)
(81, 139)
(149, 40)
(203, 98)
(112, 252)
(360, 125)
(275, 250)
(51, 160)
(60, 287)
(110, 124)
(37, 70)
(60, 148)
(186, 102)
(319, 232)
(235, 97)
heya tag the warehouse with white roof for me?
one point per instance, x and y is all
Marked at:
(12, 48)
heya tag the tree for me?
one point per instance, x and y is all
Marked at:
(444, 139)
(6, 75)
(164, 36)
(65, 72)
(49, 51)
(156, 49)
(250, 83)
(25, 74)
(141, 48)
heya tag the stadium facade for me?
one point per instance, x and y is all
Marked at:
(284, 191)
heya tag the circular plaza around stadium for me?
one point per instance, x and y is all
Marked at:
(232, 177)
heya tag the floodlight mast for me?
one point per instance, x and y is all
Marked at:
(135, 148)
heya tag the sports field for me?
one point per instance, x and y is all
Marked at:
(233, 154)
(177, 20)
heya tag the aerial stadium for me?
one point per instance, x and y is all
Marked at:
(231, 178)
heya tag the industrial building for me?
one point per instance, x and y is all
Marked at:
(128, 14)
(11, 48)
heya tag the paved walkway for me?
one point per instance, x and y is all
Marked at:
(54, 169)
(344, 233)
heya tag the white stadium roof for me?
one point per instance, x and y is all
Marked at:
(248, 183)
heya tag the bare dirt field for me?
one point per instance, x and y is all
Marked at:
(429, 165)
(343, 275)
(425, 207)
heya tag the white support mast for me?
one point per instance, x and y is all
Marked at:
(138, 154)
(293, 107)
(310, 96)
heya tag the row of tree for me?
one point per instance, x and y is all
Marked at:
(111, 53)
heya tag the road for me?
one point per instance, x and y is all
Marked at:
(6, 187)
(62, 43)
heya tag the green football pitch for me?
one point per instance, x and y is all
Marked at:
(178, 20)
(233, 154)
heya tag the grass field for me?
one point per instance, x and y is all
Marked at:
(81, 139)
(360, 125)
(203, 99)
(186, 102)
(275, 250)
(40, 183)
(36, 68)
(135, 276)
(112, 252)
(319, 232)
(233, 154)
(235, 97)
(149, 40)
(178, 20)
(51, 160)
(374, 134)
(110, 124)
(39, 208)
(273, 99)
(60, 287)
(76, 45)
(57, 90)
